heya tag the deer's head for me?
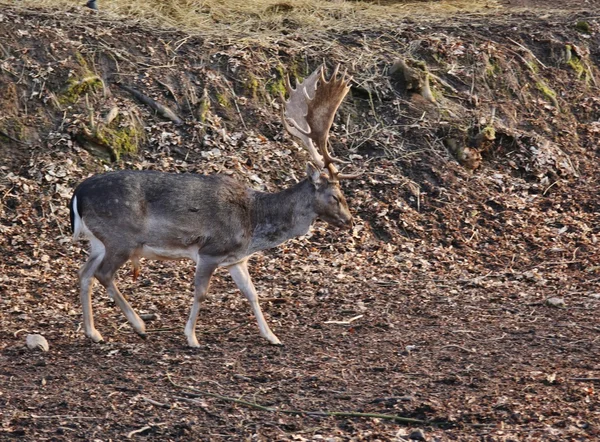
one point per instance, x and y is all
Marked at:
(329, 201)
(308, 115)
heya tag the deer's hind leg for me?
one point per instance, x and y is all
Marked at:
(105, 273)
(86, 283)
(204, 271)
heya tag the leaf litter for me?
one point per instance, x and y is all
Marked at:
(439, 294)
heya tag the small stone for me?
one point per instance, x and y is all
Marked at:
(37, 342)
(149, 316)
(417, 434)
(556, 302)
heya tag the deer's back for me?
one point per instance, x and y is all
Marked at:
(133, 209)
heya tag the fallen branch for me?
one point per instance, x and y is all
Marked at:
(238, 108)
(199, 393)
(159, 330)
(155, 403)
(134, 432)
(160, 109)
(5, 135)
(200, 404)
(218, 332)
(227, 330)
(526, 49)
(457, 346)
(63, 416)
(347, 322)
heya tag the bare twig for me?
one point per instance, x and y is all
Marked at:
(218, 332)
(227, 330)
(346, 322)
(134, 432)
(159, 330)
(199, 393)
(156, 403)
(238, 108)
(160, 109)
(5, 135)
(63, 416)
(457, 346)
(202, 406)
(170, 89)
(529, 52)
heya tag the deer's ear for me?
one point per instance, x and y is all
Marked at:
(314, 174)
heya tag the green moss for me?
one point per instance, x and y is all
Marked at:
(77, 88)
(583, 26)
(223, 100)
(82, 61)
(294, 70)
(548, 92)
(577, 66)
(492, 68)
(85, 81)
(252, 85)
(276, 87)
(203, 110)
(533, 66)
(489, 133)
(435, 93)
(576, 63)
(123, 140)
(14, 127)
(126, 141)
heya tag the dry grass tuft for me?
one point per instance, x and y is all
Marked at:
(238, 18)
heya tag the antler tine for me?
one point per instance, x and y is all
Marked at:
(295, 111)
(288, 84)
(350, 176)
(310, 110)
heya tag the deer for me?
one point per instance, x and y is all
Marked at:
(213, 220)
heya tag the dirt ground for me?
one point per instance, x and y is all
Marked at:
(464, 303)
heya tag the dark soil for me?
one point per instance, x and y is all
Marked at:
(434, 307)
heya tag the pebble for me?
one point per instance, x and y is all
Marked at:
(417, 434)
(556, 302)
(37, 342)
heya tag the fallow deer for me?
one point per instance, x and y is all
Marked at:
(211, 219)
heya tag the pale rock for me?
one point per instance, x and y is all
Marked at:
(37, 342)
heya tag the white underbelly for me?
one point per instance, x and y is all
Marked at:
(167, 253)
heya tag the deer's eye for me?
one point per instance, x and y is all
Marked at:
(335, 200)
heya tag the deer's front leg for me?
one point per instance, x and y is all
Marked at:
(204, 271)
(239, 273)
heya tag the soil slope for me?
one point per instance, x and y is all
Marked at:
(478, 135)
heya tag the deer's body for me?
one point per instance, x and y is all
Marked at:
(174, 216)
(211, 219)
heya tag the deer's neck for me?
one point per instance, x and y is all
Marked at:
(277, 217)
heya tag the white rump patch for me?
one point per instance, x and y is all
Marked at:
(77, 221)
(81, 230)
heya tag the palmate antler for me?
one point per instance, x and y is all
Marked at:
(309, 113)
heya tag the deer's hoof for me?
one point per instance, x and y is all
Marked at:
(193, 343)
(95, 336)
(274, 340)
